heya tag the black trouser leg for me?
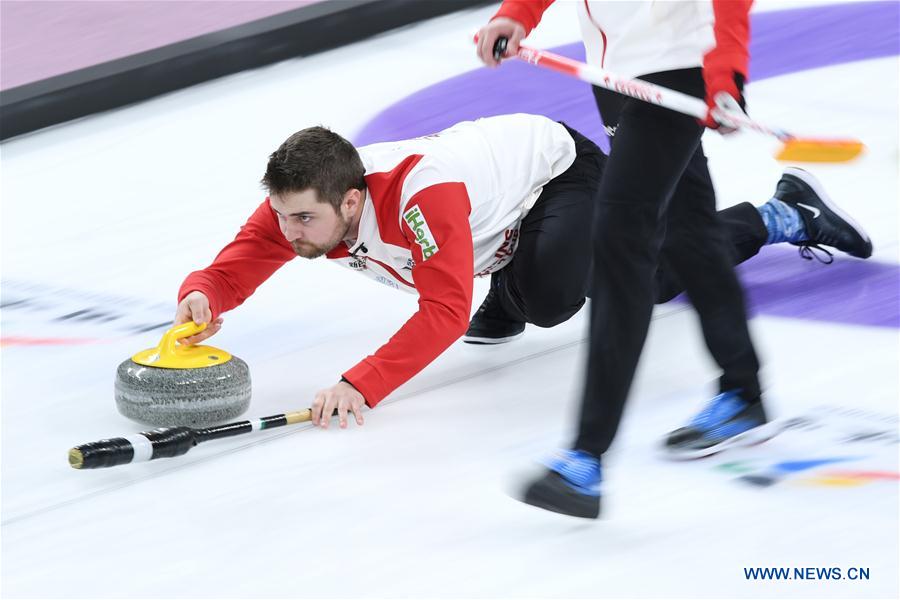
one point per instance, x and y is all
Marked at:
(699, 255)
(745, 233)
(651, 150)
(547, 279)
(743, 228)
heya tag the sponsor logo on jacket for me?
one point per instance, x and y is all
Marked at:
(419, 226)
(384, 280)
(504, 253)
(510, 242)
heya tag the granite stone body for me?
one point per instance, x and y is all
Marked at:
(190, 397)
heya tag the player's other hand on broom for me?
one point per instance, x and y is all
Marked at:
(195, 307)
(724, 90)
(342, 397)
(497, 28)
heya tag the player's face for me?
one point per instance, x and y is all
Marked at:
(313, 228)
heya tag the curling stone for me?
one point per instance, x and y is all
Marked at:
(176, 384)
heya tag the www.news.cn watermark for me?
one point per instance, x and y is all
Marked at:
(806, 573)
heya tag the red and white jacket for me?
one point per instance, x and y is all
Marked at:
(439, 210)
(637, 38)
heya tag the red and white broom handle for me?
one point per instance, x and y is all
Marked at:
(642, 90)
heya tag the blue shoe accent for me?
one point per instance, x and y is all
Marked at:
(580, 470)
(783, 222)
(730, 429)
(720, 409)
(718, 426)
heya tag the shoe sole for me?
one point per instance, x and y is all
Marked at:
(490, 341)
(537, 500)
(807, 178)
(751, 437)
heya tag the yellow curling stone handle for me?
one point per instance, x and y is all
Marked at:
(171, 355)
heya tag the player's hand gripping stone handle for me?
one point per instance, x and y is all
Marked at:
(168, 442)
(794, 149)
(195, 307)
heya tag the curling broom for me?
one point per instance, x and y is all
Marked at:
(168, 442)
(794, 148)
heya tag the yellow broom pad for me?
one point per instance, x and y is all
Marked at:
(820, 150)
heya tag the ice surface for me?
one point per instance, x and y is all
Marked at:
(104, 217)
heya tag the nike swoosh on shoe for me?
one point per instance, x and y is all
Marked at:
(815, 211)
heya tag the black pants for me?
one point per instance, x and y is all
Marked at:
(548, 278)
(656, 205)
(550, 275)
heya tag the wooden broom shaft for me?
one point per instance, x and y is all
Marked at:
(241, 427)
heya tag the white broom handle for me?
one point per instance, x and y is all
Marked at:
(643, 90)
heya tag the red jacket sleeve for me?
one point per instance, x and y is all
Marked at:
(255, 254)
(732, 29)
(526, 12)
(443, 274)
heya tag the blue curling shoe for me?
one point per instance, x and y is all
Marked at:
(727, 421)
(571, 485)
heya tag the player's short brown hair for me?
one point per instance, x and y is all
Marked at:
(315, 158)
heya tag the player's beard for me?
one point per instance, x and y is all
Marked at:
(309, 250)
